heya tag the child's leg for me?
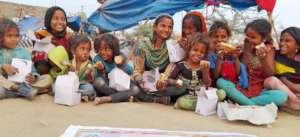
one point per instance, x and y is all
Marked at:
(87, 89)
(266, 97)
(173, 91)
(293, 101)
(4, 93)
(233, 93)
(275, 83)
(43, 84)
(102, 87)
(124, 95)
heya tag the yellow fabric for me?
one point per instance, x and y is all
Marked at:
(281, 68)
(57, 55)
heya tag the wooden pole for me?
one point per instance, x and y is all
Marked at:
(276, 44)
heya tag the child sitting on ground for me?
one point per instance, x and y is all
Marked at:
(108, 57)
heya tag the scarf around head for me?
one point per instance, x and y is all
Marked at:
(47, 21)
(202, 20)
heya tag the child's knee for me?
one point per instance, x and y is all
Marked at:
(99, 82)
(222, 83)
(271, 82)
(135, 90)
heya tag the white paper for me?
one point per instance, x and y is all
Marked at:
(207, 101)
(119, 80)
(24, 68)
(150, 78)
(43, 45)
(66, 90)
(257, 115)
(90, 131)
(176, 53)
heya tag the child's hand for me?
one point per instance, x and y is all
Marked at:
(119, 60)
(183, 42)
(9, 70)
(30, 79)
(161, 85)
(220, 54)
(262, 52)
(204, 66)
(178, 83)
(89, 73)
(99, 66)
(236, 53)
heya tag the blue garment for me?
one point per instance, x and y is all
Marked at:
(243, 77)
(266, 97)
(109, 66)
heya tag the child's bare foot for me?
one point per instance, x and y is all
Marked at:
(85, 98)
(102, 100)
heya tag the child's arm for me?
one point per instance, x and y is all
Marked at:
(139, 65)
(218, 68)
(266, 55)
(292, 86)
(237, 62)
(205, 74)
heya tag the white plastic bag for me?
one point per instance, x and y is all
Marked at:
(150, 78)
(66, 90)
(176, 53)
(257, 115)
(119, 80)
(207, 101)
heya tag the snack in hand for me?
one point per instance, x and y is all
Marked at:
(204, 63)
(119, 59)
(227, 48)
(98, 64)
(260, 45)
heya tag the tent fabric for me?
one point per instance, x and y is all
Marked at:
(121, 14)
(30, 23)
(116, 15)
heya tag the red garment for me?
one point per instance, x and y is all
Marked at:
(62, 42)
(228, 71)
(268, 5)
(256, 82)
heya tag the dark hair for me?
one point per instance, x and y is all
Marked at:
(263, 28)
(47, 20)
(199, 38)
(295, 33)
(5, 25)
(110, 40)
(76, 40)
(219, 25)
(196, 20)
(156, 22)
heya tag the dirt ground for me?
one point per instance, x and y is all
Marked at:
(43, 118)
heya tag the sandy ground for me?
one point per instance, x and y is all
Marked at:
(43, 118)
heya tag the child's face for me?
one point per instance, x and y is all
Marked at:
(164, 28)
(82, 52)
(253, 37)
(220, 35)
(11, 38)
(58, 21)
(197, 52)
(105, 51)
(188, 27)
(288, 44)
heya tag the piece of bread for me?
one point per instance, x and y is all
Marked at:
(227, 47)
(118, 59)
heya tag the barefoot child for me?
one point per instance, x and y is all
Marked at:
(108, 57)
(9, 38)
(81, 48)
(189, 75)
(258, 56)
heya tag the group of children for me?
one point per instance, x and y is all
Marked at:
(250, 74)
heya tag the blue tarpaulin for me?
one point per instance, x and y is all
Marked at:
(121, 14)
(30, 23)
